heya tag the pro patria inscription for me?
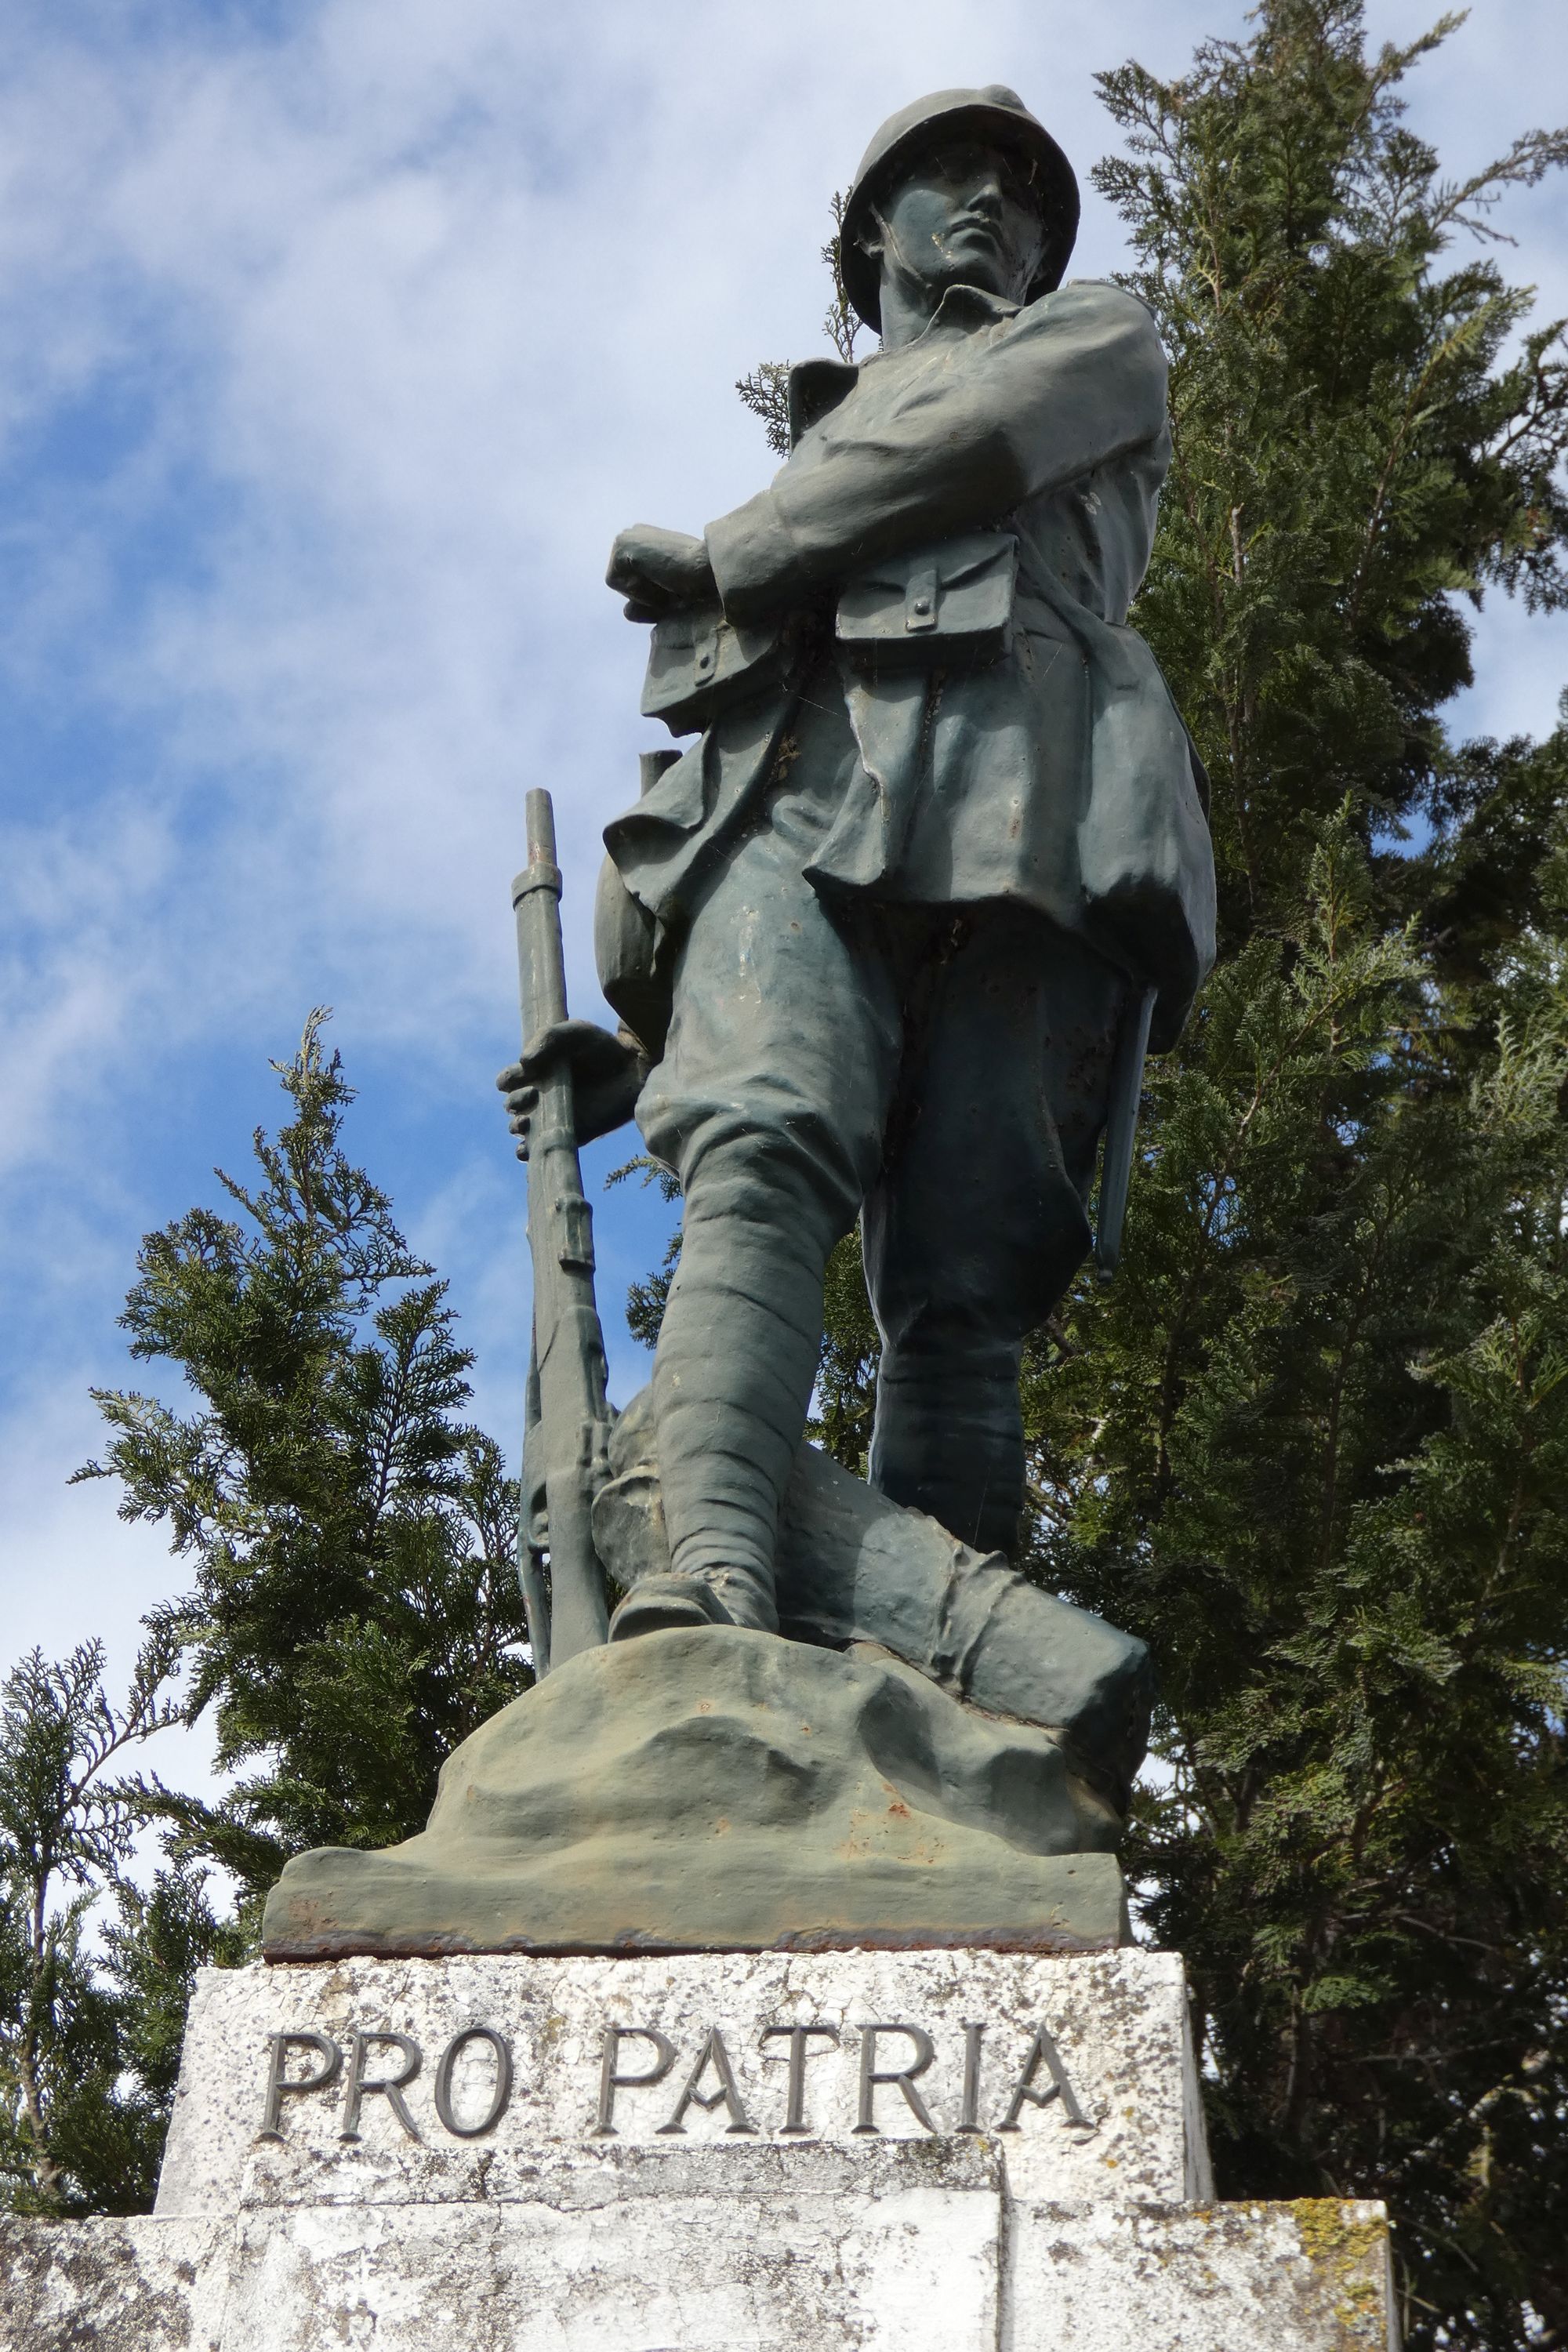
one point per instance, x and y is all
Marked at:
(468, 2077)
(887, 2060)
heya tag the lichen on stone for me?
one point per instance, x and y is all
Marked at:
(1346, 2243)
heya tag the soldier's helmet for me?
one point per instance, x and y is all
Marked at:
(1000, 117)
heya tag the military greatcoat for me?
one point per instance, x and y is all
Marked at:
(1057, 776)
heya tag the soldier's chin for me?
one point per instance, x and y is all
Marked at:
(977, 260)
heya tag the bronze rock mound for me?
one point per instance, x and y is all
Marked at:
(722, 1790)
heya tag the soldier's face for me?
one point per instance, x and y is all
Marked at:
(966, 215)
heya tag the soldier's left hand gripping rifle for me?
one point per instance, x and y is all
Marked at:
(568, 1416)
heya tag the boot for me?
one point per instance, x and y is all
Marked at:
(709, 1596)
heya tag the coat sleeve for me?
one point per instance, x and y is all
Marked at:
(1022, 407)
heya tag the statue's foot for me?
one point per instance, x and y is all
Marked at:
(723, 1596)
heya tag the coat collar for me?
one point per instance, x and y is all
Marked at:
(816, 386)
(964, 310)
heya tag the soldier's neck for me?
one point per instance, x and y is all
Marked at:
(907, 310)
(908, 304)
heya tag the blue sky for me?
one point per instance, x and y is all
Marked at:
(340, 338)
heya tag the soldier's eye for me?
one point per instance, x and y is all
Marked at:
(1018, 186)
(957, 163)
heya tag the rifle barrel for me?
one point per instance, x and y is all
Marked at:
(569, 1345)
(534, 1533)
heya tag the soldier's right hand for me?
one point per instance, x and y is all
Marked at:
(607, 1074)
(659, 571)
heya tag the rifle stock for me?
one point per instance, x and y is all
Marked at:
(564, 1453)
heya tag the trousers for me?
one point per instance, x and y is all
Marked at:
(939, 1071)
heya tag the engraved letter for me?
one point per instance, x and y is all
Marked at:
(799, 2035)
(331, 2059)
(712, 2054)
(1044, 2048)
(390, 2085)
(968, 2121)
(502, 2096)
(904, 2076)
(610, 2078)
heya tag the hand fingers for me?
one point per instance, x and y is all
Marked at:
(650, 596)
(624, 571)
(521, 1102)
(536, 1055)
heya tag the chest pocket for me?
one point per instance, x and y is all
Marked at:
(944, 608)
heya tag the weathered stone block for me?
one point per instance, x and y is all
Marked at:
(842, 2193)
(1122, 2121)
(136, 2285)
(1308, 2277)
(909, 2264)
(925, 2251)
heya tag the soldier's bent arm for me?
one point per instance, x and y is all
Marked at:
(1017, 408)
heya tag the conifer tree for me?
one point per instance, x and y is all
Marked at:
(1311, 1441)
(89, 2054)
(355, 1612)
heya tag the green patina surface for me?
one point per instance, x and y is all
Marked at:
(724, 1790)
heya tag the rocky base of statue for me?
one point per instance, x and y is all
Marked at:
(866, 2151)
(722, 1790)
(935, 1752)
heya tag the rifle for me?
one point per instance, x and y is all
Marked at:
(568, 1417)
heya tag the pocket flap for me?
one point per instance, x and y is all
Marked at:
(955, 599)
(699, 661)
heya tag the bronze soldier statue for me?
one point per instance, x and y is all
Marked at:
(887, 941)
(933, 869)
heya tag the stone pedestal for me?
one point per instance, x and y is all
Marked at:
(965, 2151)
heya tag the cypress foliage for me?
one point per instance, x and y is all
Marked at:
(88, 2054)
(1312, 1442)
(1355, 438)
(355, 1612)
